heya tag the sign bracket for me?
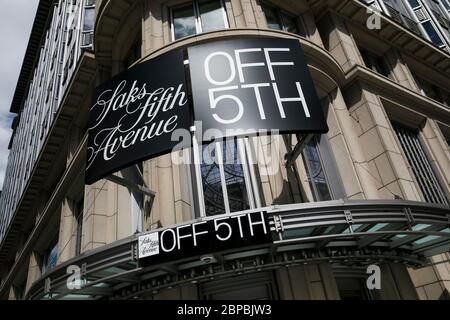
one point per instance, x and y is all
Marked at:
(128, 184)
(292, 156)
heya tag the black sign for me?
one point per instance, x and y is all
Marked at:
(134, 114)
(203, 237)
(239, 87)
(254, 85)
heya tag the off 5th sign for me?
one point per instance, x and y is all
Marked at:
(253, 85)
(205, 236)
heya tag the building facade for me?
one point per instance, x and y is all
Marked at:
(373, 191)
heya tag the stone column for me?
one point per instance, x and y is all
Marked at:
(95, 215)
(348, 151)
(433, 282)
(389, 169)
(438, 150)
(153, 31)
(400, 69)
(235, 14)
(34, 271)
(338, 41)
(312, 31)
(310, 282)
(405, 286)
(67, 231)
(187, 292)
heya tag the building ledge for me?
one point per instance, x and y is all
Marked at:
(355, 232)
(393, 32)
(397, 93)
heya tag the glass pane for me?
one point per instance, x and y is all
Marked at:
(184, 22)
(234, 177)
(53, 257)
(212, 187)
(414, 3)
(430, 90)
(290, 23)
(432, 33)
(273, 20)
(397, 5)
(89, 17)
(211, 15)
(316, 174)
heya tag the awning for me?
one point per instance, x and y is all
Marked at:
(353, 233)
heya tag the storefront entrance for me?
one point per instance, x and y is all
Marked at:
(256, 286)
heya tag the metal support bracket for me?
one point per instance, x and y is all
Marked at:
(292, 156)
(128, 184)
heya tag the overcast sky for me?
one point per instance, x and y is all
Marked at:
(16, 20)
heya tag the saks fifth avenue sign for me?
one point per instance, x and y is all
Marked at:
(202, 237)
(134, 114)
(239, 87)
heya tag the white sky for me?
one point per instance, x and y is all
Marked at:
(16, 20)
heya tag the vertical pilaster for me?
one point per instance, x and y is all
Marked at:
(387, 166)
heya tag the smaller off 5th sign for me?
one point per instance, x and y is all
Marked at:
(134, 114)
(207, 236)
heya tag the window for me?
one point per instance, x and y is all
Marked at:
(414, 3)
(224, 178)
(134, 53)
(89, 19)
(50, 257)
(315, 171)
(198, 16)
(375, 62)
(432, 91)
(280, 20)
(87, 36)
(432, 33)
(396, 5)
(79, 220)
(421, 166)
(446, 4)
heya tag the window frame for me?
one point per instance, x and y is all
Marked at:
(244, 154)
(374, 60)
(280, 13)
(198, 22)
(329, 168)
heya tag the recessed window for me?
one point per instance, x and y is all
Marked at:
(375, 62)
(79, 232)
(197, 17)
(423, 170)
(278, 19)
(315, 171)
(49, 258)
(432, 91)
